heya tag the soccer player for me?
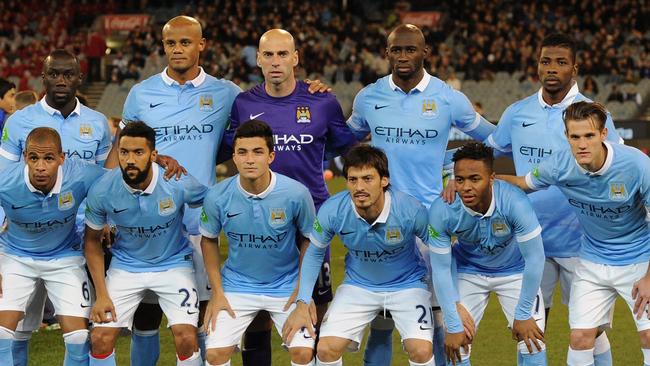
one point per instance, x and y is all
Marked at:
(41, 197)
(378, 226)
(7, 101)
(499, 250)
(150, 253)
(84, 135)
(189, 111)
(409, 114)
(532, 130)
(306, 128)
(262, 213)
(608, 187)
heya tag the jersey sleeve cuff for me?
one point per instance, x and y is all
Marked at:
(491, 142)
(9, 156)
(531, 183)
(102, 157)
(317, 243)
(438, 250)
(207, 234)
(94, 226)
(473, 125)
(526, 237)
(122, 124)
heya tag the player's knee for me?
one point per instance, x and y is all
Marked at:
(327, 352)
(583, 338)
(185, 340)
(102, 340)
(218, 356)
(644, 337)
(420, 352)
(301, 355)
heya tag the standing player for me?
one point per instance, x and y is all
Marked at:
(189, 111)
(84, 135)
(262, 213)
(532, 130)
(306, 128)
(41, 197)
(608, 187)
(378, 226)
(150, 252)
(409, 114)
(7, 101)
(499, 250)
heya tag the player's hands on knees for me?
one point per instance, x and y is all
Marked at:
(218, 302)
(453, 343)
(528, 331)
(467, 320)
(316, 86)
(103, 311)
(641, 293)
(172, 167)
(303, 316)
(448, 194)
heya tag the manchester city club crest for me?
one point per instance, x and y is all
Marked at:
(429, 108)
(205, 103)
(500, 227)
(166, 206)
(303, 115)
(85, 131)
(393, 235)
(278, 217)
(617, 191)
(66, 201)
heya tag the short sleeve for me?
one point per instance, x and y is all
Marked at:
(322, 230)
(526, 225)
(95, 211)
(501, 138)
(131, 110)
(104, 144)
(463, 115)
(339, 136)
(438, 239)
(612, 134)
(306, 212)
(210, 222)
(543, 175)
(357, 121)
(193, 191)
(11, 147)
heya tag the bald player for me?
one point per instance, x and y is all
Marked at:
(306, 128)
(409, 115)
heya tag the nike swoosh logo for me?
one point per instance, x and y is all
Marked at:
(191, 312)
(207, 287)
(306, 336)
(18, 207)
(423, 328)
(524, 124)
(346, 232)
(151, 105)
(85, 306)
(250, 116)
(323, 292)
(229, 215)
(118, 211)
(381, 106)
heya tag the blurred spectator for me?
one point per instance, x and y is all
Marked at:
(25, 98)
(132, 72)
(616, 95)
(7, 101)
(590, 88)
(453, 81)
(95, 50)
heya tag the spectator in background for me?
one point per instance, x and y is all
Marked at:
(25, 98)
(7, 101)
(95, 50)
(453, 81)
(616, 95)
(590, 88)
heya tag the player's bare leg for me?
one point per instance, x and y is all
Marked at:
(329, 351)
(186, 344)
(420, 352)
(219, 356)
(581, 347)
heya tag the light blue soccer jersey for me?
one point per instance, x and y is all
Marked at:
(43, 226)
(84, 134)
(413, 129)
(262, 230)
(487, 245)
(531, 131)
(150, 235)
(610, 203)
(381, 256)
(189, 121)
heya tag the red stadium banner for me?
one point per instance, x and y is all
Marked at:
(124, 22)
(421, 18)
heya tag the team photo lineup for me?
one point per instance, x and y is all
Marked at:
(209, 208)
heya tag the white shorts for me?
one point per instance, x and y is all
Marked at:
(34, 311)
(594, 291)
(229, 331)
(202, 283)
(64, 278)
(558, 269)
(175, 289)
(474, 291)
(353, 308)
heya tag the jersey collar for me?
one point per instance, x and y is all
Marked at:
(57, 185)
(489, 212)
(152, 185)
(383, 216)
(196, 82)
(52, 111)
(262, 194)
(567, 101)
(606, 165)
(422, 85)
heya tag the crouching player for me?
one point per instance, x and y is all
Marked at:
(378, 226)
(262, 214)
(499, 250)
(608, 185)
(150, 252)
(40, 198)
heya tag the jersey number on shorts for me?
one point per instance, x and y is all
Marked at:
(423, 317)
(185, 303)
